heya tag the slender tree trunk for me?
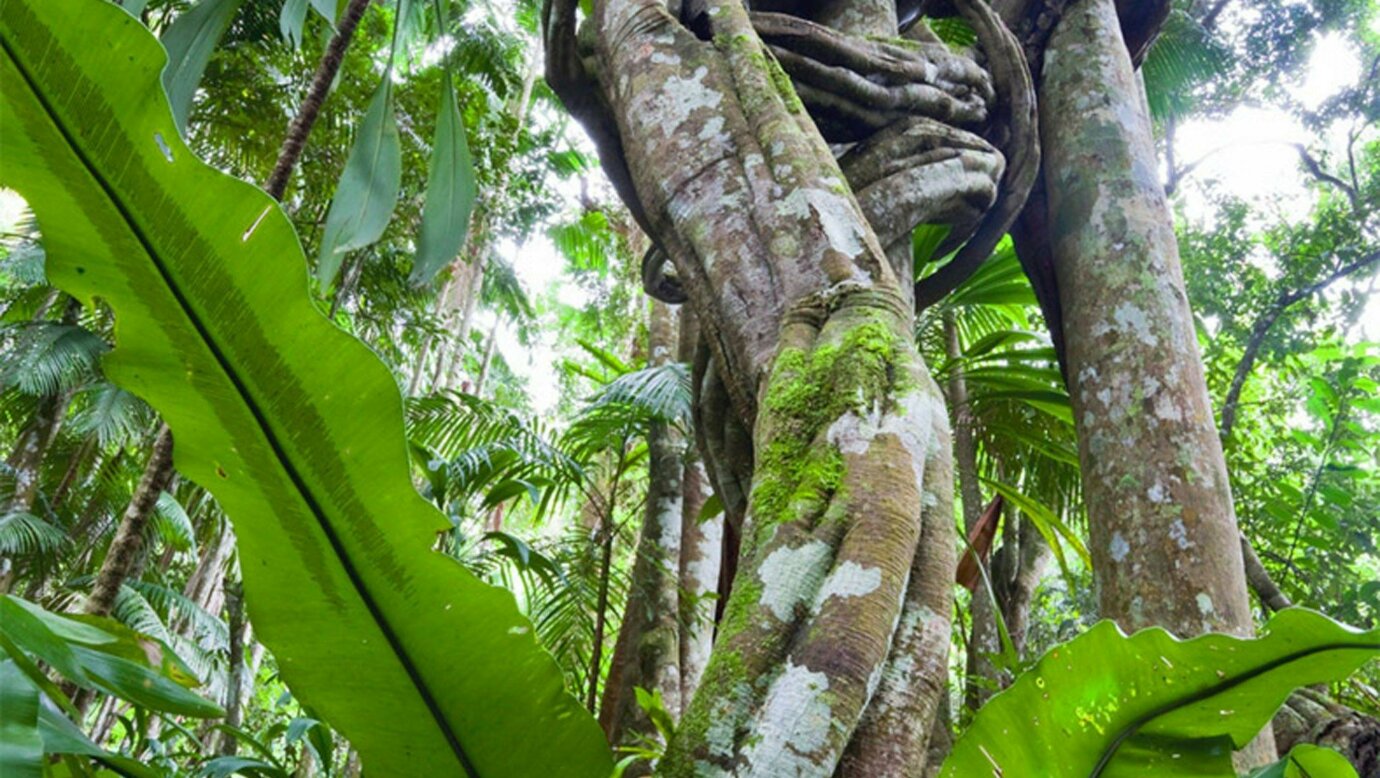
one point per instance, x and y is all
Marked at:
(234, 677)
(965, 448)
(609, 533)
(1163, 532)
(1015, 573)
(300, 129)
(701, 548)
(647, 653)
(128, 545)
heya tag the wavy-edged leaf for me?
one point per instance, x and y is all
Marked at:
(368, 188)
(450, 191)
(295, 427)
(1104, 704)
(190, 41)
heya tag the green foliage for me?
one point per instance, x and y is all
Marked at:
(368, 188)
(1111, 705)
(450, 187)
(189, 41)
(216, 331)
(1307, 761)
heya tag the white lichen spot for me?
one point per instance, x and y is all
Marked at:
(713, 131)
(1205, 605)
(1158, 494)
(841, 223)
(849, 579)
(791, 576)
(1130, 318)
(1119, 548)
(793, 726)
(1179, 534)
(911, 423)
(683, 96)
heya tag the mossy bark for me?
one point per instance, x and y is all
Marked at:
(840, 604)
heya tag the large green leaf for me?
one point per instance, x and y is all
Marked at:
(190, 41)
(450, 191)
(294, 426)
(368, 189)
(21, 747)
(1105, 704)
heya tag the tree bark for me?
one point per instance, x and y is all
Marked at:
(127, 546)
(1310, 717)
(1163, 531)
(1015, 573)
(647, 653)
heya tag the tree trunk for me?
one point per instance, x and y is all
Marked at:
(234, 676)
(1310, 717)
(965, 448)
(843, 592)
(128, 545)
(647, 653)
(1163, 531)
(701, 548)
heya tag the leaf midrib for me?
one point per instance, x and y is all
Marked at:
(375, 612)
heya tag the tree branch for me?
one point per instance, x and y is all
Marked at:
(1262, 328)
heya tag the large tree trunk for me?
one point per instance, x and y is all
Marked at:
(833, 645)
(647, 653)
(1163, 531)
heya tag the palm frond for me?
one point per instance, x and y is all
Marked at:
(46, 358)
(173, 525)
(24, 534)
(115, 417)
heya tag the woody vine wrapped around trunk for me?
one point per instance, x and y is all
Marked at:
(715, 127)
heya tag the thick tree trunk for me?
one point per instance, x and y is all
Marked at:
(647, 653)
(127, 546)
(1163, 531)
(842, 596)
